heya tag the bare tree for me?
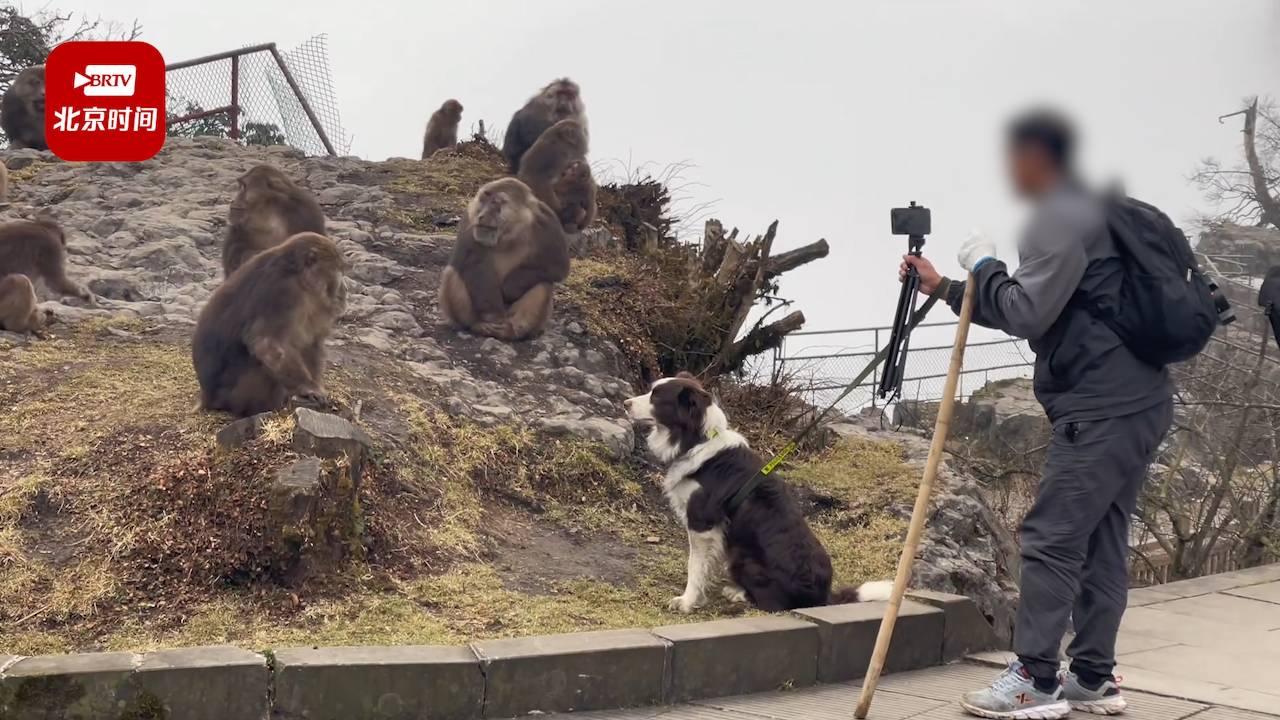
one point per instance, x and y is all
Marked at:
(27, 38)
(1213, 502)
(1247, 193)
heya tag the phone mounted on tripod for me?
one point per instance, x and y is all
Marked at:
(915, 222)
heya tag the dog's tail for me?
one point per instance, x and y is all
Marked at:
(866, 592)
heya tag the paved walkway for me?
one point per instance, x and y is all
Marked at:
(1207, 649)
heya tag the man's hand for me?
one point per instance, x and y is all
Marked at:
(976, 249)
(929, 277)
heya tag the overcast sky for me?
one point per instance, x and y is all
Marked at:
(820, 114)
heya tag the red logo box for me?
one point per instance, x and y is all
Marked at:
(104, 101)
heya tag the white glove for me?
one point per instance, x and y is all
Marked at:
(975, 248)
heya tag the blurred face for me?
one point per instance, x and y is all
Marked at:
(1031, 170)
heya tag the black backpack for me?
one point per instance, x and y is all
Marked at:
(1165, 312)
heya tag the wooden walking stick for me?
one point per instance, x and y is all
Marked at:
(940, 428)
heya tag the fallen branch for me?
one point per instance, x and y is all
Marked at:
(761, 339)
(793, 259)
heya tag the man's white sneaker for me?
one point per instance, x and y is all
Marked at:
(1013, 696)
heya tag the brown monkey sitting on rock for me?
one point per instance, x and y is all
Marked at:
(260, 339)
(543, 164)
(442, 128)
(38, 249)
(575, 193)
(268, 209)
(18, 305)
(557, 101)
(510, 252)
(22, 110)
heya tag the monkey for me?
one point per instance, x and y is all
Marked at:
(558, 101)
(38, 249)
(268, 209)
(509, 254)
(18, 305)
(442, 128)
(259, 341)
(575, 193)
(546, 159)
(22, 110)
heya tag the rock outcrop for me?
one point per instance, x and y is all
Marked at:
(1239, 249)
(966, 549)
(1002, 419)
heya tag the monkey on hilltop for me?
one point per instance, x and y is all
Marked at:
(22, 110)
(38, 249)
(558, 101)
(268, 209)
(442, 128)
(259, 341)
(18, 305)
(547, 159)
(575, 193)
(510, 252)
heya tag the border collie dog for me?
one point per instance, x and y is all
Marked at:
(773, 559)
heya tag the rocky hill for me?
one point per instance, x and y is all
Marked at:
(498, 488)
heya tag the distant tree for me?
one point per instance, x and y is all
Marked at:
(1247, 192)
(260, 133)
(216, 125)
(219, 125)
(27, 38)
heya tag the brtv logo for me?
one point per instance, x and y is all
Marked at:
(105, 101)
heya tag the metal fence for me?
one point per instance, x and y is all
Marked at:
(822, 363)
(259, 95)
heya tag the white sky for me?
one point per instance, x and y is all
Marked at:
(821, 114)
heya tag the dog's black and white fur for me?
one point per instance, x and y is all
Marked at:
(773, 559)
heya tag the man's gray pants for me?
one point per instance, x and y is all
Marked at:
(1075, 540)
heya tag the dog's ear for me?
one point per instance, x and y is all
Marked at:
(686, 375)
(693, 397)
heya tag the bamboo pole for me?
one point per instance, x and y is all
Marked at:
(940, 429)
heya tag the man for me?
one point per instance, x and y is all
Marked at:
(1109, 412)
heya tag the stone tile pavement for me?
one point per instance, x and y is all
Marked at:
(1207, 649)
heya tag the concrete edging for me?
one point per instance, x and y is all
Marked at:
(492, 678)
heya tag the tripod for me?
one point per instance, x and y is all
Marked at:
(895, 364)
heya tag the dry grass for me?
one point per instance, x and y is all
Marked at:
(852, 485)
(74, 389)
(427, 189)
(449, 470)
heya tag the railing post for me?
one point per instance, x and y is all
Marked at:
(306, 106)
(875, 371)
(235, 98)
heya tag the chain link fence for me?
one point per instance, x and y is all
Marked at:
(259, 95)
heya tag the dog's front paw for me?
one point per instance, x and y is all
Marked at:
(682, 604)
(734, 594)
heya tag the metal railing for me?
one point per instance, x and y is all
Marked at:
(829, 360)
(258, 95)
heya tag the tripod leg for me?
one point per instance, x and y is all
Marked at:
(901, 374)
(901, 317)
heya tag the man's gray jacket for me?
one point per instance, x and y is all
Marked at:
(1066, 260)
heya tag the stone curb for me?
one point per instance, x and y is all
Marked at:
(492, 678)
